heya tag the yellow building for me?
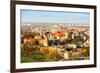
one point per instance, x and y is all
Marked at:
(43, 42)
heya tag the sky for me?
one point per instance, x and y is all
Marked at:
(40, 16)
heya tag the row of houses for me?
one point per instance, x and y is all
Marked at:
(43, 39)
(47, 39)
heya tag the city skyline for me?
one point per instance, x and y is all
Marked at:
(40, 16)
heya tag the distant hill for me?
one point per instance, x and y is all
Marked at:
(58, 24)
